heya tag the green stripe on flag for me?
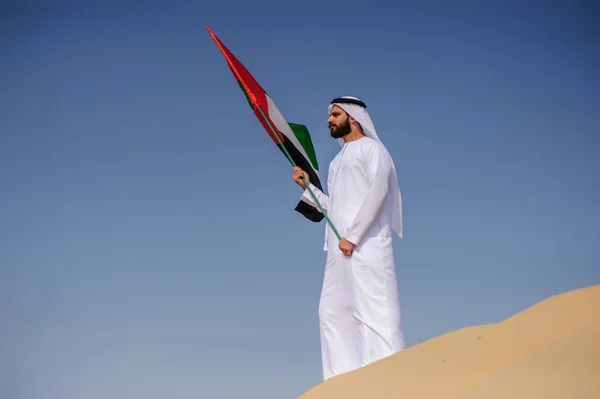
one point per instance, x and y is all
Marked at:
(303, 136)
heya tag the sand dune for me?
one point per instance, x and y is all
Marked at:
(550, 350)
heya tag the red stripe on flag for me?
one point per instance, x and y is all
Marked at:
(253, 89)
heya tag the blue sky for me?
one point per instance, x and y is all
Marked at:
(148, 243)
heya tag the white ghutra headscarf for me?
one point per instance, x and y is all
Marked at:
(358, 110)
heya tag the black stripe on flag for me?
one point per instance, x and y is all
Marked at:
(311, 213)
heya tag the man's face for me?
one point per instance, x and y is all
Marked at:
(339, 122)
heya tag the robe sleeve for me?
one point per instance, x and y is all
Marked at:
(321, 196)
(378, 168)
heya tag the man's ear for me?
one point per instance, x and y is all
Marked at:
(356, 124)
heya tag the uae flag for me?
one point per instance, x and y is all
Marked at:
(291, 138)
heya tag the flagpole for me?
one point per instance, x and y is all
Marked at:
(294, 164)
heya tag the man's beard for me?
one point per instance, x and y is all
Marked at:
(337, 132)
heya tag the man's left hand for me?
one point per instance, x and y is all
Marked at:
(346, 247)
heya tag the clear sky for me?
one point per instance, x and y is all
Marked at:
(148, 242)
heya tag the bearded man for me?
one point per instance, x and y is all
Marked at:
(359, 309)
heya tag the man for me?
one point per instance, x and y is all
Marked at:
(359, 310)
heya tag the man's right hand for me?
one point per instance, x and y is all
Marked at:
(298, 174)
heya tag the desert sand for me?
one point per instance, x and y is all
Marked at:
(550, 350)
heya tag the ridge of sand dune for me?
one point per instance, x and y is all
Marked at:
(549, 350)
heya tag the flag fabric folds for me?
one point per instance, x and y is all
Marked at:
(291, 138)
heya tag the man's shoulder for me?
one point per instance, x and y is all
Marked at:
(369, 144)
(366, 142)
(372, 147)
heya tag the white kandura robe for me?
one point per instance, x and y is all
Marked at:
(359, 310)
